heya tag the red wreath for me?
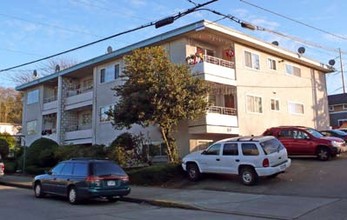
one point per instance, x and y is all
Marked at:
(230, 53)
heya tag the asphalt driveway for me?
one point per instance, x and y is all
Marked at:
(306, 177)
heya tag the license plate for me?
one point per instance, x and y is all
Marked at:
(283, 166)
(111, 183)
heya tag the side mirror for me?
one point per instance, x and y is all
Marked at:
(48, 172)
(203, 152)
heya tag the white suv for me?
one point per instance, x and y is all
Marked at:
(248, 157)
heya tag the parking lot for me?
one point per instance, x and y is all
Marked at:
(306, 177)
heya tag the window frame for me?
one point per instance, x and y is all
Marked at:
(254, 102)
(254, 60)
(295, 112)
(291, 71)
(33, 96)
(277, 104)
(271, 63)
(33, 131)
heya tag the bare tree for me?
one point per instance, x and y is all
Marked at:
(44, 69)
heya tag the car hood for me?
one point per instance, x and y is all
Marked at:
(193, 154)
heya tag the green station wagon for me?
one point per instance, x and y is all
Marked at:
(83, 178)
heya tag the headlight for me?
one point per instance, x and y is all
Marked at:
(336, 143)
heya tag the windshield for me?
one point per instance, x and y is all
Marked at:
(314, 132)
(271, 146)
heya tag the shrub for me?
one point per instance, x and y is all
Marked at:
(126, 150)
(156, 175)
(10, 166)
(71, 151)
(41, 153)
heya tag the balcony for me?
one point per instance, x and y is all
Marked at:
(50, 105)
(79, 100)
(78, 136)
(218, 120)
(214, 69)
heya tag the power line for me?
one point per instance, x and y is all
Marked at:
(296, 21)
(157, 24)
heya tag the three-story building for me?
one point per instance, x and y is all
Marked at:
(254, 85)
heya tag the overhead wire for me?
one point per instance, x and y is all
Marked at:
(296, 21)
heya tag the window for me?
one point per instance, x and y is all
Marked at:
(32, 127)
(344, 106)
(104, 117)
(213, 150)
(230, 149)
(80, 169)
(116, 71)
(271, 64)
(33, 96)
(57, 169)
(254, 104)
(252, 60)
(67, 169)
(107, 76)
(295, 108)
(249, 149)
(275, 104)
(293, 70)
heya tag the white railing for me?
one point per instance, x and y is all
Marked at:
(192, 60)
(222, 110)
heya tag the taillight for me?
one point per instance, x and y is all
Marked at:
(266, 162)
(93, 180)
(2, 167)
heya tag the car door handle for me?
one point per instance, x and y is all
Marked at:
(237, 160)
(217, 159)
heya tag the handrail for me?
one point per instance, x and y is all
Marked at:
(222, 110)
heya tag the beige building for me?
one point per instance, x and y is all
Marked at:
(255, 85)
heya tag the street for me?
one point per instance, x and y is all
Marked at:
(19, 203)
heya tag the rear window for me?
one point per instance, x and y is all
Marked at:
(271, 146)
(107, 168)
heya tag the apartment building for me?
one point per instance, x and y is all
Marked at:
(254, 85)
(338, 110)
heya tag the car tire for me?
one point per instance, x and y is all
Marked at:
(193, 172)
(248, 176)
(323, 154)
(73, 195)
(38, 190)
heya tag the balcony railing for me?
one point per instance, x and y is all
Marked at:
(50, 99)
(77, 91)
(192, 60)
(222, 110)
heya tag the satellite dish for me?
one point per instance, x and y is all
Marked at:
(109, 49)
(301, 50)
(57, 68)
(331, 62)
(275, 43)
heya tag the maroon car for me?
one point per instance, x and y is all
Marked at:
(307, 141)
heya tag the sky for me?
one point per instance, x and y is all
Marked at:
(31, 30)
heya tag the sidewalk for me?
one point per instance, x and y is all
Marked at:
(255, 205)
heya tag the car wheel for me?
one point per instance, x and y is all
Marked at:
(38, 190)
(73, 196)
(193, 172)
(323, 153)
(248, 176)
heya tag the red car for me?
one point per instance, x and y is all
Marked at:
(307, 141)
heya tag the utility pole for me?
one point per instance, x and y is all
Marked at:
(342, 76)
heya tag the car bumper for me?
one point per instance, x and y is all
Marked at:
(94, 193)
(268, 171)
